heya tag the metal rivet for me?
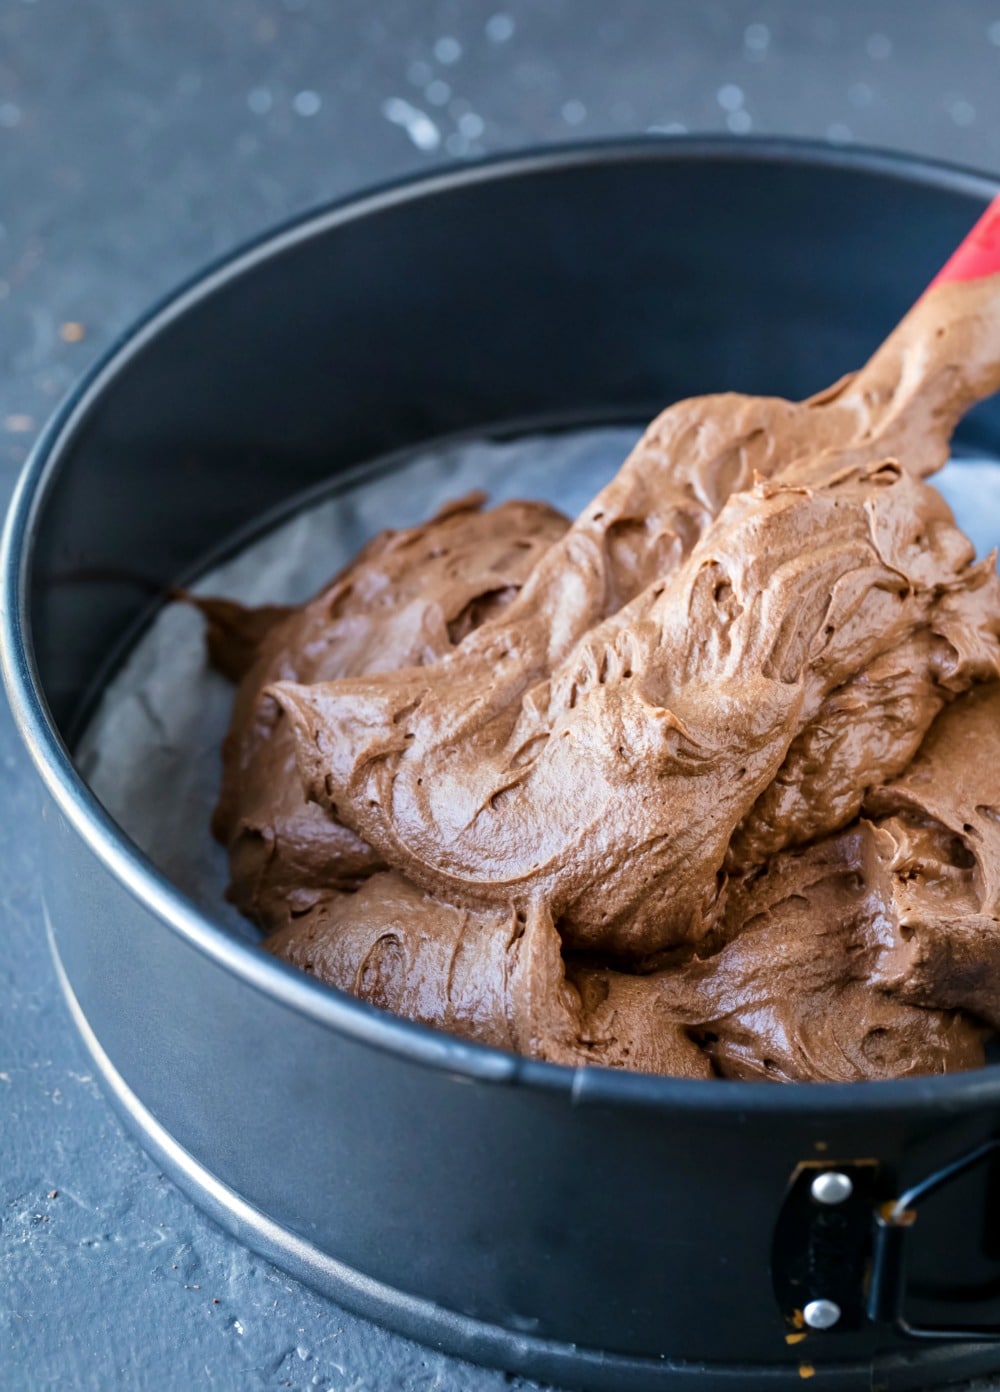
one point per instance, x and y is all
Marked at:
(821, 1314)
(831, 1187)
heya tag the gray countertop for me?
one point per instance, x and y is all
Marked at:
(138, 140)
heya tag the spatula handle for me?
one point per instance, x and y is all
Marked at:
(979, 254)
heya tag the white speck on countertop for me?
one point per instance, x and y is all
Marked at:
(499, 28)
(878, 46)
(237, 1327)
(306, 102)
(447, 50)
(417, 124)
(729, 96)
(259, 100)
(756, 38)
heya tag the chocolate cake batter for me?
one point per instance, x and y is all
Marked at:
(689, 785)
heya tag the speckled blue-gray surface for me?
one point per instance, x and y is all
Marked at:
(137, 140)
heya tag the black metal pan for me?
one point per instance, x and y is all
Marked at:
(585, 1227)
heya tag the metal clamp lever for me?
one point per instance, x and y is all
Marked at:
(894, 1222)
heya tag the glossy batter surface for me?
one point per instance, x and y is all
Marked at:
(689, 784)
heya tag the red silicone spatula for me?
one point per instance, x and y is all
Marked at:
(943, 356)
(978, 254)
